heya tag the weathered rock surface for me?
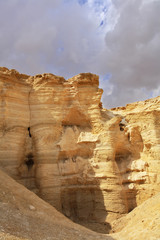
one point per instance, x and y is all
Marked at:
(92, 164)
(141, 170)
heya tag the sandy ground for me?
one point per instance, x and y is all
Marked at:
(25, 215)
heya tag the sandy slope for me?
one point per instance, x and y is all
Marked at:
(24, 215)
(143, 223)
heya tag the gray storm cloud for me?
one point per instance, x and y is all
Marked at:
(41, 36)
(133, 52)
(119, 39)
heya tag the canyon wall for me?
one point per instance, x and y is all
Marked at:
(92, 164)
(141, 171)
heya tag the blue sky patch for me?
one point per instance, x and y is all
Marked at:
(101, 24)
(82, 2)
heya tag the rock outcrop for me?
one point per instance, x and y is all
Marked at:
(92, 164)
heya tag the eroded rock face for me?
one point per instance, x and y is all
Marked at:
(141, 172)
(92, 164)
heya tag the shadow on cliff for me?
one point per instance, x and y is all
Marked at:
(87, 186)
(81, 197)
(128, 158)
(84, 189)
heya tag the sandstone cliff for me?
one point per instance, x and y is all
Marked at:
(141, 171)
(92, 164)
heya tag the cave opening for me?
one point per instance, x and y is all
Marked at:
(121, 126)
(29, 132)
(29, 161)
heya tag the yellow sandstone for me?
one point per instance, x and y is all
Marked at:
(93, 165)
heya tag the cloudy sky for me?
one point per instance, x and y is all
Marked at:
(117, 39)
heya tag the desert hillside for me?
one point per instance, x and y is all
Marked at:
(142, 223)
(64, 159)
(26, 216)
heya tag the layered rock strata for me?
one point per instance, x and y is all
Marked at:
(92, 164)
(141, 170)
